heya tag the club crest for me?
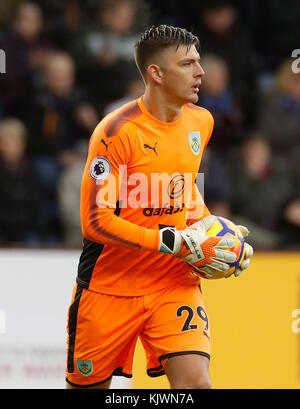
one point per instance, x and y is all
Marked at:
(84, 367)
(195, 142)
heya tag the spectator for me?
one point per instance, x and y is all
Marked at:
(217, 184)
(279, 117)
(58, 119)
(170, 12)
(114, 37)
(21, 201)
(7, 12)
(262, 188)
(222, 32)
(216, 95)
(25, 45)
(110, 48)
(60, 115)
(290, 223)
(134, 89)
(69, 186)
(64, 20)
(277, 31)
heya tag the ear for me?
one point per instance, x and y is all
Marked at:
(155, 73)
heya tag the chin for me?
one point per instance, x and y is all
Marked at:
(193, 98)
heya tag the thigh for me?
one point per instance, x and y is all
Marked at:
(102, 334)
(188, 372)
(177, 326)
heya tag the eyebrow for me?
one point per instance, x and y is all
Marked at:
(184, 60)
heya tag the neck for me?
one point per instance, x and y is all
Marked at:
(160, 106)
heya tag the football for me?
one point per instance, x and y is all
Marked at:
(224, 227)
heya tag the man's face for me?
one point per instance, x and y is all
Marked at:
(181, 74)
(59, 75)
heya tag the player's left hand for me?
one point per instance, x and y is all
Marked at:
(248, 252)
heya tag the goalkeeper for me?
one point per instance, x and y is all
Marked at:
(134, 275)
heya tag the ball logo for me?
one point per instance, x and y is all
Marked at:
(176, 187)
(100, 168)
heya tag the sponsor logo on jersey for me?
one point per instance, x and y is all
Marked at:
(176, 187)
(159, 211)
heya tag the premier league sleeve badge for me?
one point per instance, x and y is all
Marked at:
(100, 168)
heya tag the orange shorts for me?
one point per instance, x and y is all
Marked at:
(103, 331)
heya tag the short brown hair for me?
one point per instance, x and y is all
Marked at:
(158, 38)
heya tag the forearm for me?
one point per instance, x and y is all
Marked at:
(103, 226)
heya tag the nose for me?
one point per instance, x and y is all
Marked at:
(199, 71)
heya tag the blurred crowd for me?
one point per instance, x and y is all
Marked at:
(69, 63)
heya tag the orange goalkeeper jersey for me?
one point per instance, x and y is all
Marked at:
(139, 176)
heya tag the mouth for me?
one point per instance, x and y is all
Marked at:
(196, 87)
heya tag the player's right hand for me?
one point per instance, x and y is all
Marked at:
(195, 247)
(248, 252)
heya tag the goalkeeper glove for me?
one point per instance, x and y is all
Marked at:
(195, 247)
(248, 252)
